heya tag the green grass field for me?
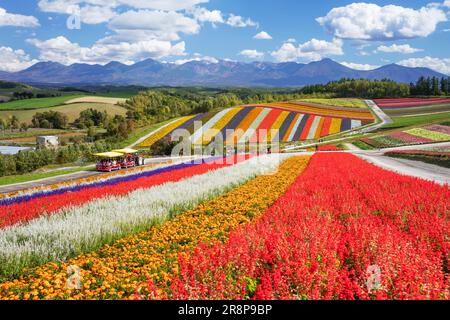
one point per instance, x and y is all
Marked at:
(41, 103)
(417, 120)
(140, 132)
(348, 103)
(71, 110)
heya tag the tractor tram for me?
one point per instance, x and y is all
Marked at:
(117, 160)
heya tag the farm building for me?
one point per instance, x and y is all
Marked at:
(47, 141)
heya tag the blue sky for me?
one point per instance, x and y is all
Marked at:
(362, 35)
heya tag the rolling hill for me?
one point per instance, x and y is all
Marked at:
(284, 122)
(223, 73)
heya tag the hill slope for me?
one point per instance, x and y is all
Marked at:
(284, 122)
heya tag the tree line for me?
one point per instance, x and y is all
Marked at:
(157, 105)
(430, 86)
(29, 161)
(359, 88)
(373, 89)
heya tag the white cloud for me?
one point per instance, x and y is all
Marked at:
(447, 3)
(437, 64)
(96, 14)
(359, 66)
(287, 52)
(240, 22)
(252, 54)
(199, 58)
(311, 50)
(14, 60)
(61, 6)
(291, 40)
(61, 50)
(365, 21)
(205, 15)
(101, 11)
(263, 36)
(145, 24)
(402, 48)
(17, 20)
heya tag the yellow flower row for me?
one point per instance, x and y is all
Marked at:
(323, 111)
(219, 125)
(119, 270)
(162, 132)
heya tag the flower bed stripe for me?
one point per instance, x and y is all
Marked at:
(163, 132)
(118, 270)
(319, 128)
(254, 125)
(244, 125)
(345, 229)
(191, 128)
(326, 127)
(234, 123)
(197, 136)
(76, 185)
(307, 127)
(6, 197)
(288, 122)
(186, 124)
(262, 130)
(301, 127)
(439, 128)
(420, 153)
(314, 126)
(346, 124)
(209, 134)
(409, 138)
(434, 136)
(335, 126)
(356, 124)
(76, 230)
(30, 207)
(293, 129)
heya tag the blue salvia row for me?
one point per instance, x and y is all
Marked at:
(108, 182)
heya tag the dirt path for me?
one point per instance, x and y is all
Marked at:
(78, 175)
(385, 119)
(408, 167)
(351, 147)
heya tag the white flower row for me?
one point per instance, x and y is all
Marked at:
(75, 230)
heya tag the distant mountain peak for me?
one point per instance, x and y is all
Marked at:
(227, 73)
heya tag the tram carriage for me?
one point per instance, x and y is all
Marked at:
(117, 159)
(109, 161)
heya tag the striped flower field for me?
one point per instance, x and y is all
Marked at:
(287, 122)
(279, 226)
(415, 136)
(413, 106)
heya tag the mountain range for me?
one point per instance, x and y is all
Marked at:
(223, 73)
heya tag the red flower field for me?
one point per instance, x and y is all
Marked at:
(344, 230)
